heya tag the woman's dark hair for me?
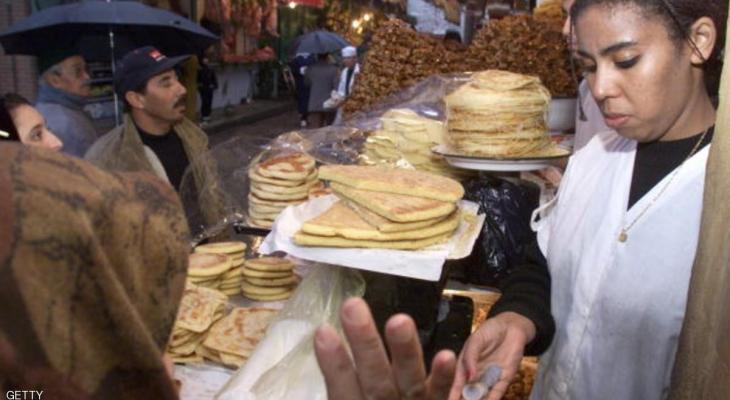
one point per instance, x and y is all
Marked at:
(8, 103)
(678, 17)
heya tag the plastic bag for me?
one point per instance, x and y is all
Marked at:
(506, 232)
(283, 365)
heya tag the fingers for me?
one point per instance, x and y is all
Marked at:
(374, 372)
(405, 349)
(339, 373)
(460, 379)
(442, 374)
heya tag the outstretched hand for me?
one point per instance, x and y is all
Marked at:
(499, 341)
(369, 371)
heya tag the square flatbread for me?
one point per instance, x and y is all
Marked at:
(199, 307)
(385, 225)
(340, 220)
(398, 181)
(240, 331)
(395, 207)
(304, 239)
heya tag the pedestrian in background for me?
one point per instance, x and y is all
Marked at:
(62, 93)
(298, 68)
(322, 78)
(207, 84)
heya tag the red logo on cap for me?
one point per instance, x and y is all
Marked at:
(156, 55)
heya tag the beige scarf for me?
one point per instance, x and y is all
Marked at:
(702, 366)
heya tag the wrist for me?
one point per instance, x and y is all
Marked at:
(518, 325)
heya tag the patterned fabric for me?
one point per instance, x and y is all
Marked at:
(702, 366)
(92, 268)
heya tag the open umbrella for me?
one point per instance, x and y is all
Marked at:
(89, 24)
(319, 42)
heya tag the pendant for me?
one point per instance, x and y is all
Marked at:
(623, 236)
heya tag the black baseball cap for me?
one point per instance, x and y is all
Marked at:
(139, 65)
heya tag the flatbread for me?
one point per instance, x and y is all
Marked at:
(398, 181)
(232, 273)
(240, 331)
(261, 290)
(260, 223)
(199, 307)
(253, 213)
(385, 225)
(395, 207)
(304, 239)
(253, 273)
(266, 207)
(273, 203)
(340, 220)
(191, 359)
(272, 297)
(275, 282)
(296, 166)
(258, 178)
(208, 265)
(269, 264)
(222, 247)
(269, 188)
(232, 360)
(277, 196)
(209, 354)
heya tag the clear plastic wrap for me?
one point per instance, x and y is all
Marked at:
(283, 365)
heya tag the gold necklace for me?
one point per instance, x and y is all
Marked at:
(624, 235)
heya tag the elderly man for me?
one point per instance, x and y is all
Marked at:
(155, 136)
(62, 93)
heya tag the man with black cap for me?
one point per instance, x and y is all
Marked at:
(62, 93)
(154, 136)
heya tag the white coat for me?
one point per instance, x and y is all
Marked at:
(618, 307)
(343, 80)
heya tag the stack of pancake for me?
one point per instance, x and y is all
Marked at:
(268, 278)
(232, 339)
(199, 309)
(384, 208)
(498, 114)
(405, 135)
(279, 182)
(218, 266)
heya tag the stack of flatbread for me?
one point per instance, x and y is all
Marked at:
(279, 182)
(268, 278)
(199, 309)
(407, 136)
(498, 114)
(232, 339)
(218, 266)
(384, 208)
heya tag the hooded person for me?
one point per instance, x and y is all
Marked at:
(63, 90)
(92, 270)
(155, 136)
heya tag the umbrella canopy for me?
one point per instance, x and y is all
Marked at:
(319, 42)
(87, 24)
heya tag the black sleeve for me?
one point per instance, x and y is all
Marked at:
(526, 291)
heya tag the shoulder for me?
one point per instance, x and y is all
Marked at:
(100, 147)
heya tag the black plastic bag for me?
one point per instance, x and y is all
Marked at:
(508, 205)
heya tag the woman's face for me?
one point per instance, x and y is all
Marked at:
(640, 78)
(31, 127)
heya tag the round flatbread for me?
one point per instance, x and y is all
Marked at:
(294, 190)
(294, 166)
(272, 297)
(256, 177)
(262, 215)
(222, 248)
(204, 265)
(237, 261)
(232, 273)
(273, 203)
(260, 223)
(272, 282)
(269, 264)
(265, 274)
(260, 290)
(260, 208)
(278, 196)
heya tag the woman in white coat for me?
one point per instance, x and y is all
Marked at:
(618, 242)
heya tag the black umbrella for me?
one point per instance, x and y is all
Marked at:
(319, 42)
(91, 24)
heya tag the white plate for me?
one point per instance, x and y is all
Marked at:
(496, 164)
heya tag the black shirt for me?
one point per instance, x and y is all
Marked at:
(526, 290)
(169, 149)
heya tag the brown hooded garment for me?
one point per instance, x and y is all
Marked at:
(702, 366)
(92, 268)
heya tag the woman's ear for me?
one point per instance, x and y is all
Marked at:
(703, 34)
